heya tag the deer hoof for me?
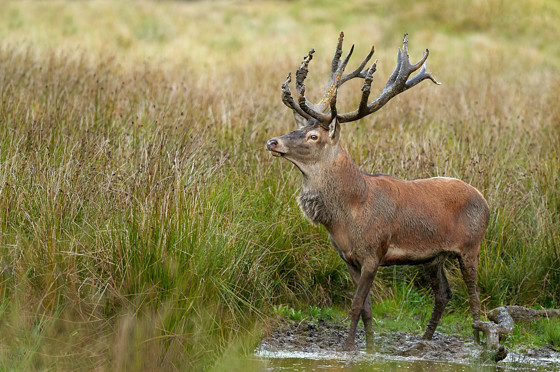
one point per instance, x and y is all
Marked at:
(348, 346)
(428, 336)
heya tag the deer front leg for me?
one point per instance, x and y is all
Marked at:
(362, 291)
(367, 318)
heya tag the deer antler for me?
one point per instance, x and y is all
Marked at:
(398, 82)
(309, 110)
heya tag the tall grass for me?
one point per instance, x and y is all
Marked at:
(126, 200)
(144, 226)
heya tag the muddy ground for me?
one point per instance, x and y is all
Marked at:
(325, 338)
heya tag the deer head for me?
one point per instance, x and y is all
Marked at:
(316, 139)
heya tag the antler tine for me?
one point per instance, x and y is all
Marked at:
(397, 70)
(406, 56)
(303, 69)
(405, 46)
(422, 75)
(323, 119)
(342, 67)
(288, 99)
(422, 61)
(333, 106)
(330, 95)
(359, 72)
(306, 108)
(333, 90)
(336, 58)
(404, 69)
(397, 83)
(366, 88)
(329, 99)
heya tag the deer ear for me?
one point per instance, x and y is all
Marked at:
(334, 129)
(300, 120)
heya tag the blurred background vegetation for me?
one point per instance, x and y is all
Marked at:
(144, 226)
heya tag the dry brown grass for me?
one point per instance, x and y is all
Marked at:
(143, 225)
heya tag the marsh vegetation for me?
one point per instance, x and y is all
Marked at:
(144, 226)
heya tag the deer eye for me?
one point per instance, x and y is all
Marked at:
(313, 137)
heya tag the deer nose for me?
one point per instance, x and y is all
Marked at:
(271, 144)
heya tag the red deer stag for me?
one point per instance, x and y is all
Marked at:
(375, 220)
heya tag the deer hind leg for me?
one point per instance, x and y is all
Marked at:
(469, 266)
(367, 318)
(367, 274)
(435, 273)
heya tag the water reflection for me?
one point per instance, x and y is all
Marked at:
(286, 361)
(337, 361)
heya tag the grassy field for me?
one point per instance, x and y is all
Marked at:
(144, 226)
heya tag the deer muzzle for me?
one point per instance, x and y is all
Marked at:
(272, 145)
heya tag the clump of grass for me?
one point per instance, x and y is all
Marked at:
(553, 335)
(310, 313)
(538, 333)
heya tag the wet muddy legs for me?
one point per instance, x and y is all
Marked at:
(435, 273)
(469, 266)
(363, 310)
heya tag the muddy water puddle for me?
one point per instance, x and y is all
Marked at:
(310, 346)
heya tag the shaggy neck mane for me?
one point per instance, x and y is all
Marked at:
(328, 191)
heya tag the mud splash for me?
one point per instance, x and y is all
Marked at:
(317, 345)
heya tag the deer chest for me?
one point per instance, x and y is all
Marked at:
(314, 208)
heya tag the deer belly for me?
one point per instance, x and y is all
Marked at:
(399, 256)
